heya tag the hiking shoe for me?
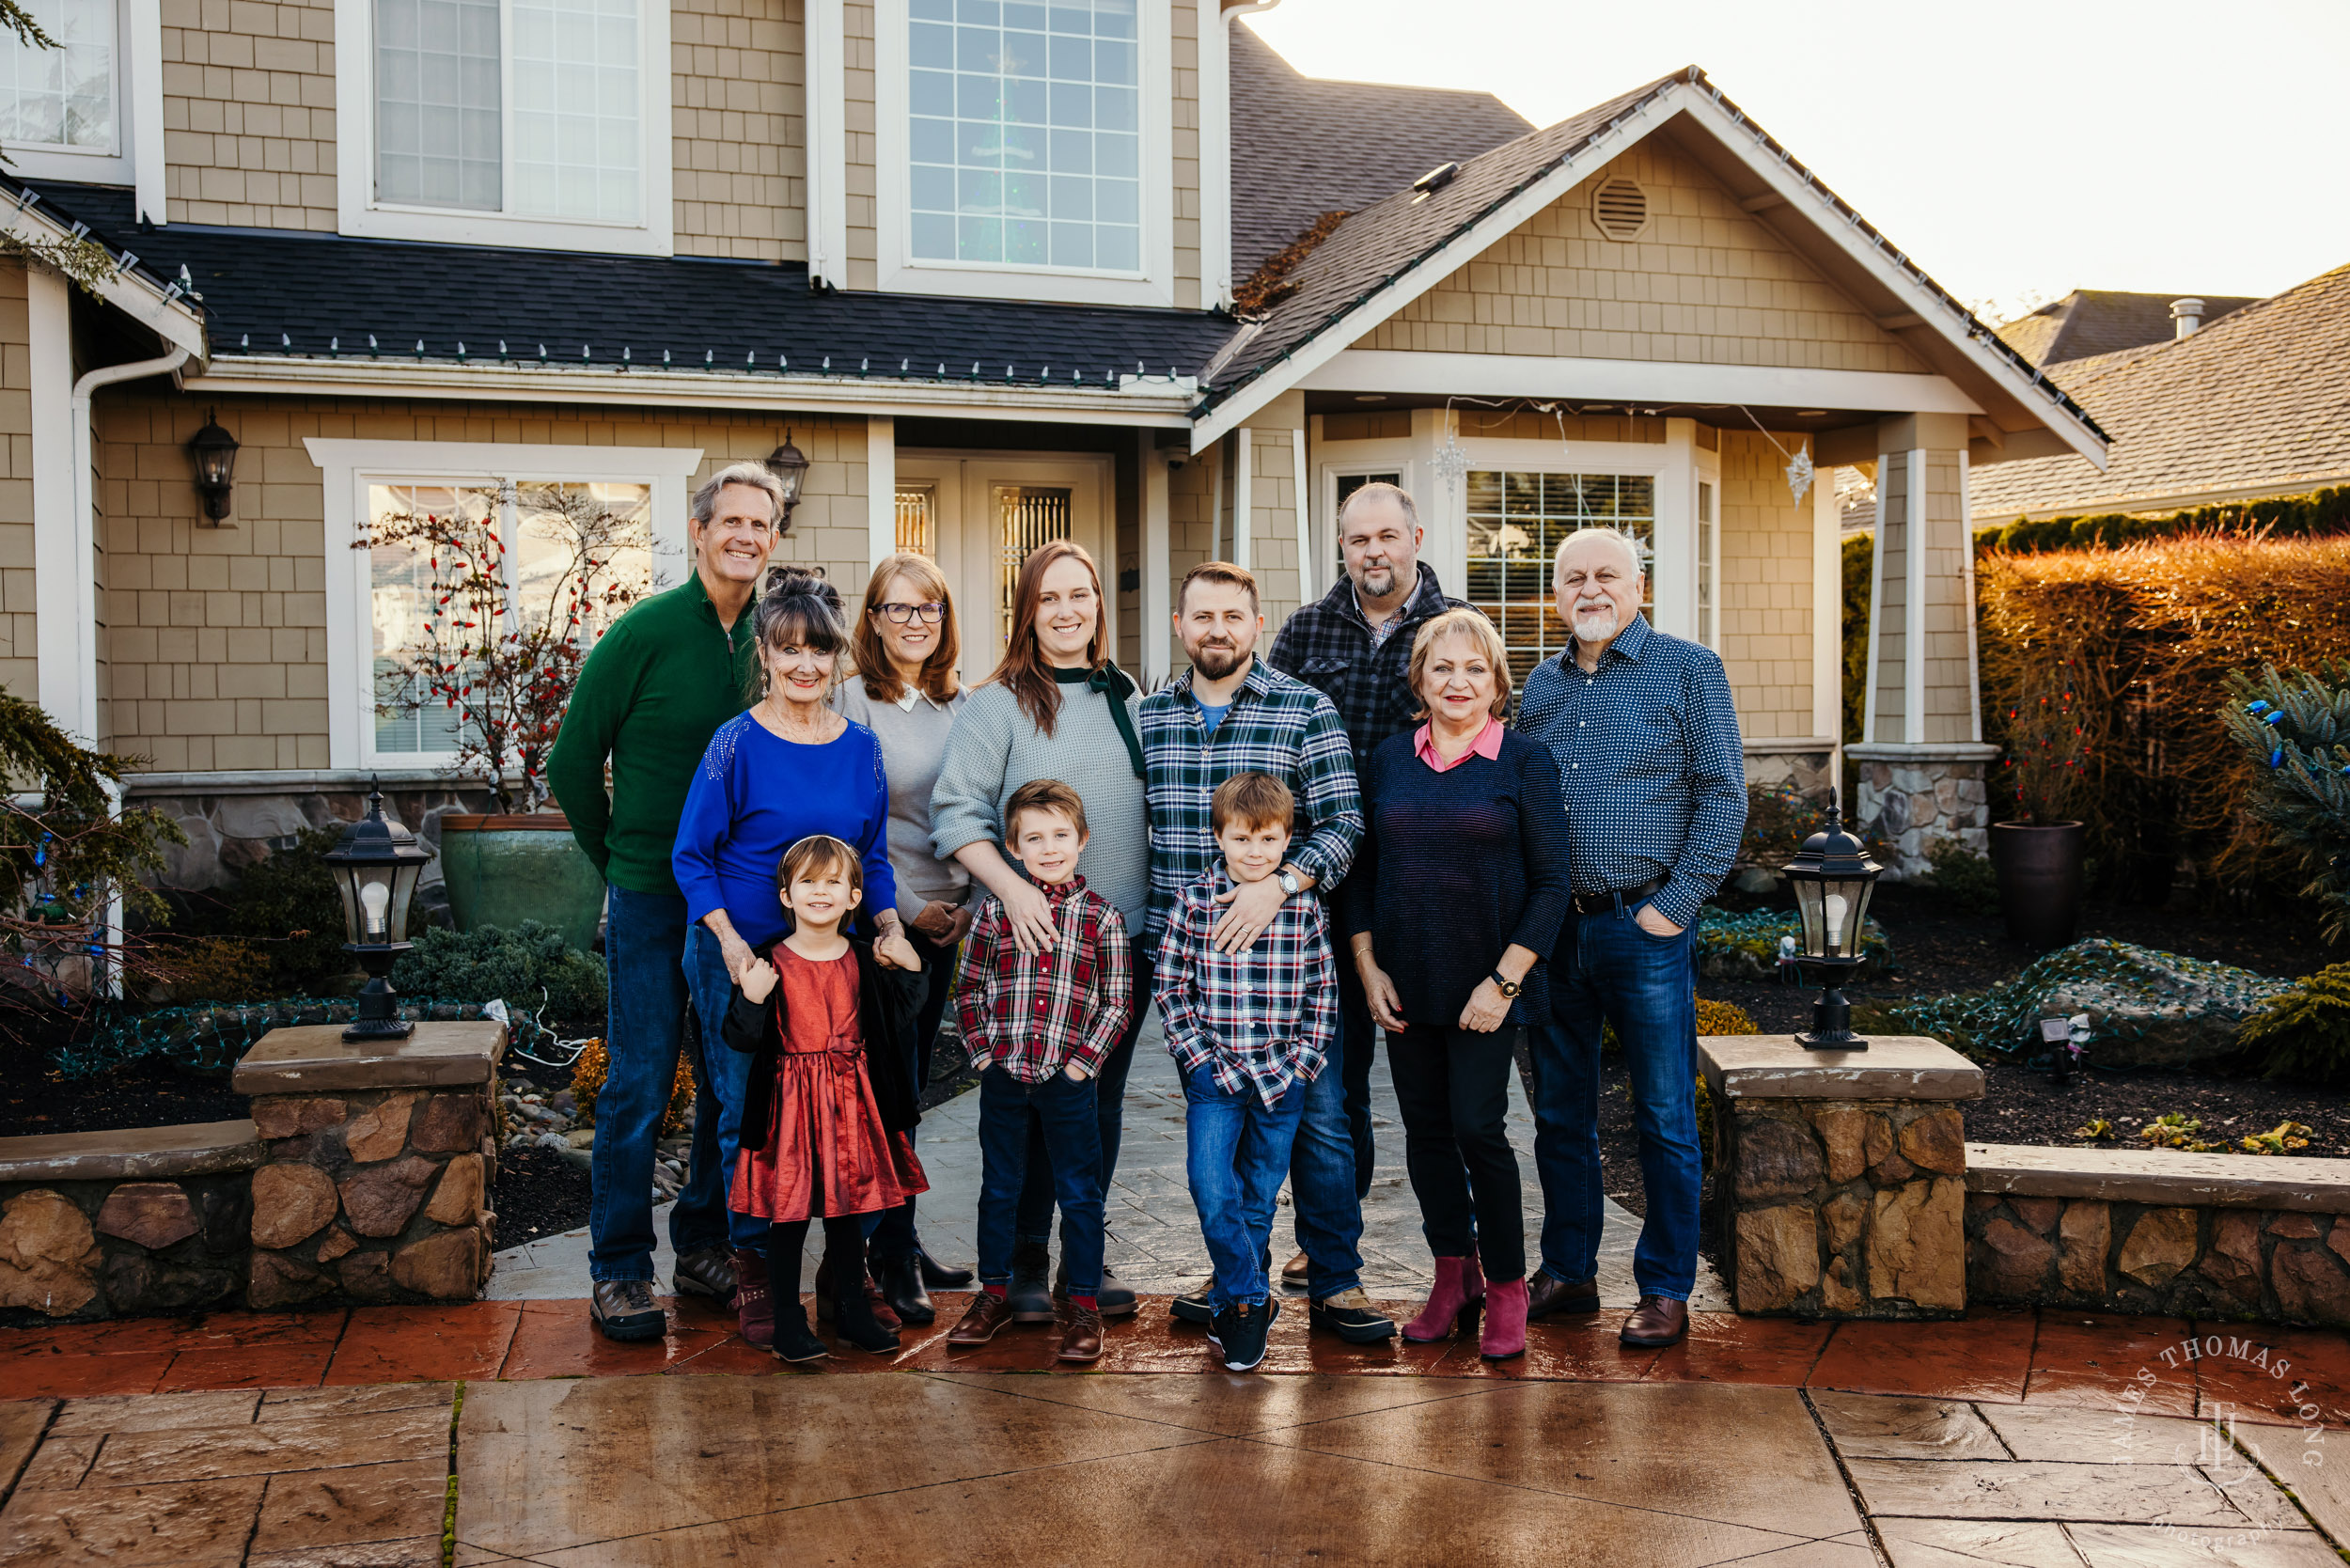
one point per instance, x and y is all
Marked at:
(624, 1310)
(1351, 1316)
(1240, 1333)
(706, 1271)
(1197, 1304)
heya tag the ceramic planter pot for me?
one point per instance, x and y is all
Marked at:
(502, 870)
(2039, 869)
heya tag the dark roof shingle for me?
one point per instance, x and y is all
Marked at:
(2089, 322)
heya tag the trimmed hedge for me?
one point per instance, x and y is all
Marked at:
(2324, 512)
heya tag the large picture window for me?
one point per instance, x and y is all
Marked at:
(1025, 134)
(1516, 522)
(528, 108)
(63, 97)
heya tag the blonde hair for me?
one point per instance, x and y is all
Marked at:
(937, 677)
(1473, 625)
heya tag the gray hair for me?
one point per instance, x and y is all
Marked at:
(1380, 490)
(1623, 541)
(754, 474)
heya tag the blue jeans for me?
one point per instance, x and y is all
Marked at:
(1328, 1210)
(1065, 1113)
(1607, 968)
(718, 1122)
(648, 1021)
(1036, 1199)
(1236, 1153)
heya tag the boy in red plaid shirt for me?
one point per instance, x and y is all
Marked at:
(1250, 1029)
(1037, 1027)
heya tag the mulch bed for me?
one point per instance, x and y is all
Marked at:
(538, 1192)
(36, 1098)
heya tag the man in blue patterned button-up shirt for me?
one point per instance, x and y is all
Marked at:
(1653, 777)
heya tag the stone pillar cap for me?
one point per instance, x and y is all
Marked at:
(312, 1058)
(1894, 1067)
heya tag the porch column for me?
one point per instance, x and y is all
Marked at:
(60, 565)
(881, 490)
(1158, 569)
(1921, 757)
(1267, 505)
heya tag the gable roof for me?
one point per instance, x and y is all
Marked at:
(298, 308)
(2257, 403)
(2089, 322)
(1304, 146)
(1381, 260)
(141, 288)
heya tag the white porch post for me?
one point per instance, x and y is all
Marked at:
(1158, 569)
(62, 568)
(880, 489)
(1305, 520)
(1243, 513)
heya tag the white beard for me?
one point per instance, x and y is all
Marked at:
(1595, 625)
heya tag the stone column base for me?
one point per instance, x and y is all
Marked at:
(1914, 797)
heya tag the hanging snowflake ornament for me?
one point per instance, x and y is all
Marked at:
(1799, 473)
(1450, 463)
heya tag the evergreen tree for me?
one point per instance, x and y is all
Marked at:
(2297, 724)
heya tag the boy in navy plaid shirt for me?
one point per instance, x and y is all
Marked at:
(1250, 1029)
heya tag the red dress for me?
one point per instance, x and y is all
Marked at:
(827, 1152)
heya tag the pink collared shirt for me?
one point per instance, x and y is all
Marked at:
(1487, 744)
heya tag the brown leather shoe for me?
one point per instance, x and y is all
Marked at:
(986, 1314)
(1083, 1343)
(1297, 1270)
(1547, 1297)
(1657, 1322)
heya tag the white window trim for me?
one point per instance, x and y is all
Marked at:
(898, 272)
(138, 92)
(351, 466)
(359, 214)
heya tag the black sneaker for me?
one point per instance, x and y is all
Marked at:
(1351, 1316)
(1198, 1306)
(1240, 1333)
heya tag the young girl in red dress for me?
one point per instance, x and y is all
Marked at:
(824, 1119)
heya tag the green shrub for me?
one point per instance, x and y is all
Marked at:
(287, 910)
(1859, 564)
(2305, 1033)
(1964, 877)
(530, 967)
(2295, 731)
(2324, 512)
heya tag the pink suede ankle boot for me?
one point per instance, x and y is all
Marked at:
(1504, 1332)
(1458, 1289)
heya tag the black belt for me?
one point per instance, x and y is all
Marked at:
(1601, 903)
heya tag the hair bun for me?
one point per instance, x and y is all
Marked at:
(798, 582)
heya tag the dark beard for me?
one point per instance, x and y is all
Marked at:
(1215, 661)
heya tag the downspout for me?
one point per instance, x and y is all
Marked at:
(86, 590)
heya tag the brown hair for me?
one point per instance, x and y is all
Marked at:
(1219, 571)
(1473, 625)
(1024, 671)
(820, 851)
(1042, 794)
(873, 663)
(1252, 799)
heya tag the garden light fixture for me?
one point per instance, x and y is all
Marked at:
(215, 453)
(1833, 877)
(789, 464)
(375, 864)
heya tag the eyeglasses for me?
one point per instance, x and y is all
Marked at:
(903, 615)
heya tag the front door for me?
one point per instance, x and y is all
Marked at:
(980, 513)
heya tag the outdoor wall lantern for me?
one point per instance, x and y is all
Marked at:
(215, 453)
(788, 463)
(375, 864)
(1833, 877)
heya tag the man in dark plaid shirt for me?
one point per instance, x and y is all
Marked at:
(1354, 645)
(1232, 714)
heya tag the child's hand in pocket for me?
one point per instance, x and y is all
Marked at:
(759, 980)
(1075, 1073)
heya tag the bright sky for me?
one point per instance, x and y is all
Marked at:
(2014, 148)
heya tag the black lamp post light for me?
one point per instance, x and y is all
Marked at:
(375, 864)
(215, 453)
(1833, 877)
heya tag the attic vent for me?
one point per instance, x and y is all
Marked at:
(1620, 207)
(1433, 181)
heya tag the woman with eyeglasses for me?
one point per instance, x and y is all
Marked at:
(906, 646)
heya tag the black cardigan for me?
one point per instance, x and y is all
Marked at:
(887, 1001)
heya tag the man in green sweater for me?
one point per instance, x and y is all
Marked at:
(650, 695)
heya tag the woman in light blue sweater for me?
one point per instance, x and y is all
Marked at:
(1055, 708)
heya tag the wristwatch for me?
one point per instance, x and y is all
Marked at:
(1290, 885)
(1508, 988)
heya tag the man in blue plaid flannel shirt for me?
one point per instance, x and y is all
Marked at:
(1232, 714)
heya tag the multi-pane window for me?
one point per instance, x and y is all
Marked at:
(918, 521)
(1026, 517)
(1709, 567)
(539, 548)
(1516, 522)
(1026, 134)
(569, 144)
(62, 97)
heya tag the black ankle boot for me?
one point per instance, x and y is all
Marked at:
(852, 1319)
(794, 1340)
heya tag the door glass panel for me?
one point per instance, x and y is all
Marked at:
(1027, 515)
(918, 521)
(1706, 565)
(1348, 485)
(1516, 522)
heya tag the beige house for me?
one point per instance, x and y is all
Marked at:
(978, 262)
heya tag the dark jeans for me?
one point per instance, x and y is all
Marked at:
(1063, 1112)
(1607, 969)
(1235, 1154)
(729, 1074)
(1036, 1198)
(1358, 1039)
(892, 1234)
(1327, 1214)
(648, 1023)
(1453, 1088)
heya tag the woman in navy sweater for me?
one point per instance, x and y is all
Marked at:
(1460, 887)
